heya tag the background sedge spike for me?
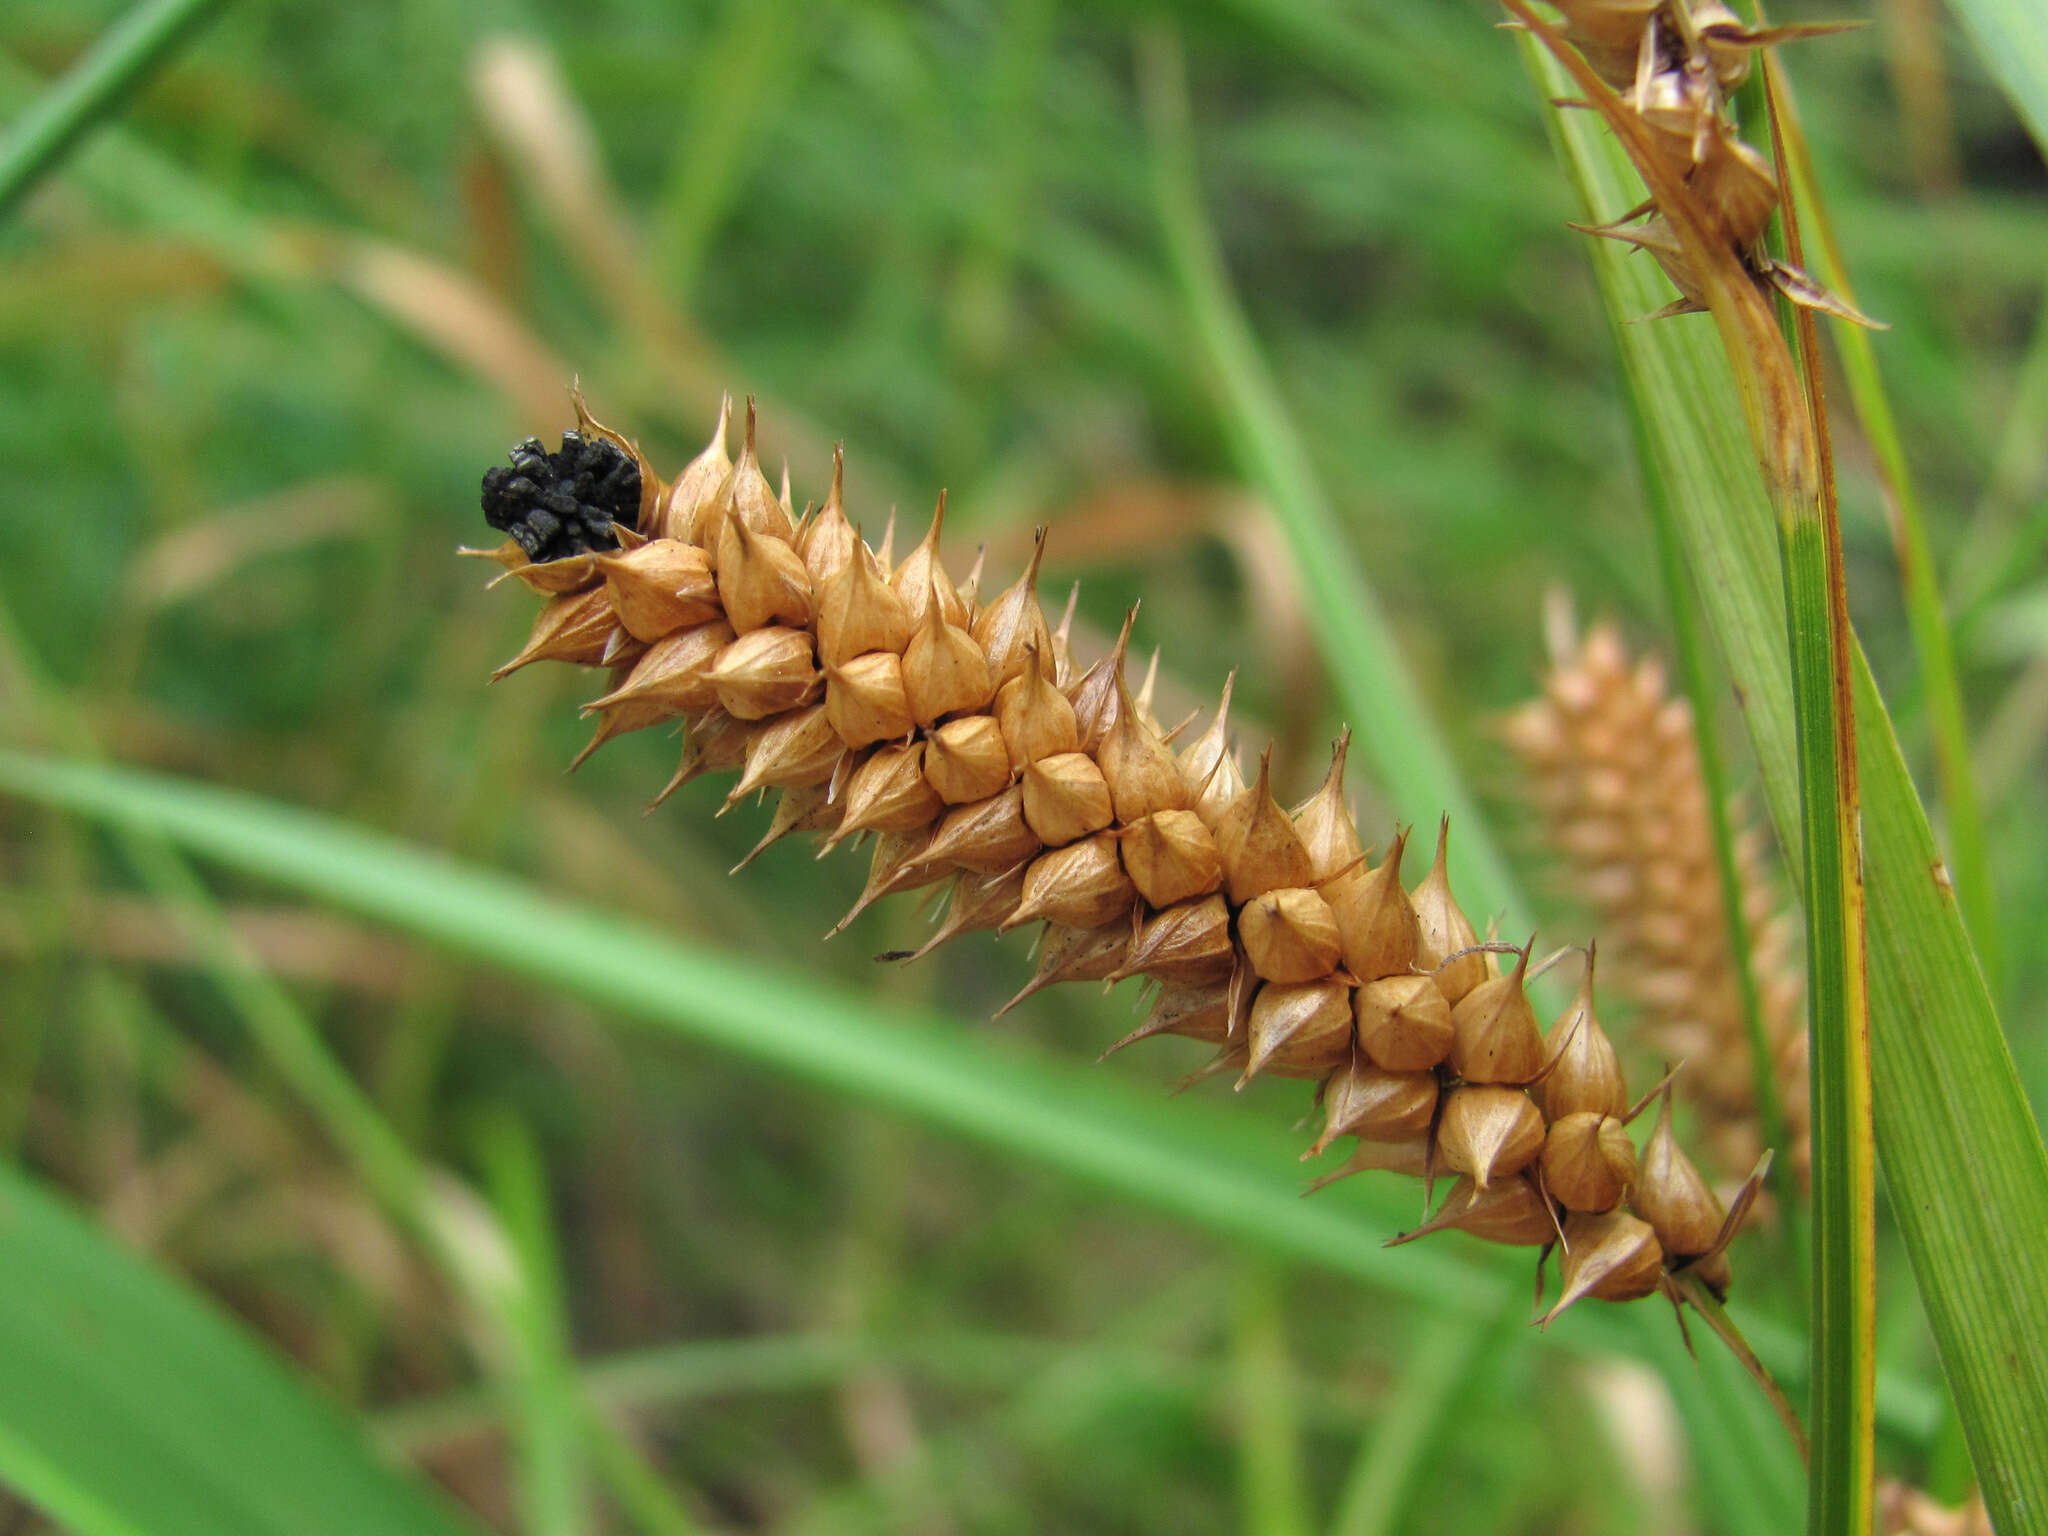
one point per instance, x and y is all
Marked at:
(884, 701)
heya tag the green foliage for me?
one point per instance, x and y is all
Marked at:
(815, 1253)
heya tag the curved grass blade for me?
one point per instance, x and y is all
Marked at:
(129, 1407)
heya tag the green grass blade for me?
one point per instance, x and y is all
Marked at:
(1215, 1166)
(2012, 39)
(129, 1407)
(1962, 1156)
(1926, 614)
(95, 88)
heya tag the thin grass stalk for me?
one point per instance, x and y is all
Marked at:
(93, 90)
(1926, 613)
(1414, 766)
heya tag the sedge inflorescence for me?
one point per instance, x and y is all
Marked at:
(880, 700)
(1614, 766)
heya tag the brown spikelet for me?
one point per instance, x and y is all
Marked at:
(893, 705)
(1614, 766)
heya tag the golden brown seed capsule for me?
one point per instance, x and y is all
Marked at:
(745, 494)
(1404, 1024)
(888, 793)
(1142, 775)
(1609, 1254)
(1073, 954)
(1082, 885)
(1410, 1157)
(1301, 1030)
(1189, 941)
(1172, 856)
(867, 700)
(765, 672)
(1362, 1100)
(1589, 1164)
(1289, 935)
(1324, 825)
(1489, 1132)
(1510, 1211)
(574, 627)
(860, 612)
(761, 579)
(790, 751)
(1095, 695)
(1443, 928)
(1196, 1010)
(660, 587)
(550, 578)
(1496, 1039)
(944, 672)
(921, 581)
(1375, 918)
(698, 483)
(989, 835)
(676, 671)
(829, 540)
(1036, 718)
(1260, 848)
(967, 760)
(619, 718)
(1671, 1195)
(1065, 798)
(1586, 1074)
(1012, 627)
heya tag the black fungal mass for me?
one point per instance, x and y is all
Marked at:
(555, 505)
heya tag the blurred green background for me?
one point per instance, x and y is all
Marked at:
(258, 340)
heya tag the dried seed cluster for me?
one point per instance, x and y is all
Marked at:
(1674, 64)
(881, 699)
(1614, 767)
